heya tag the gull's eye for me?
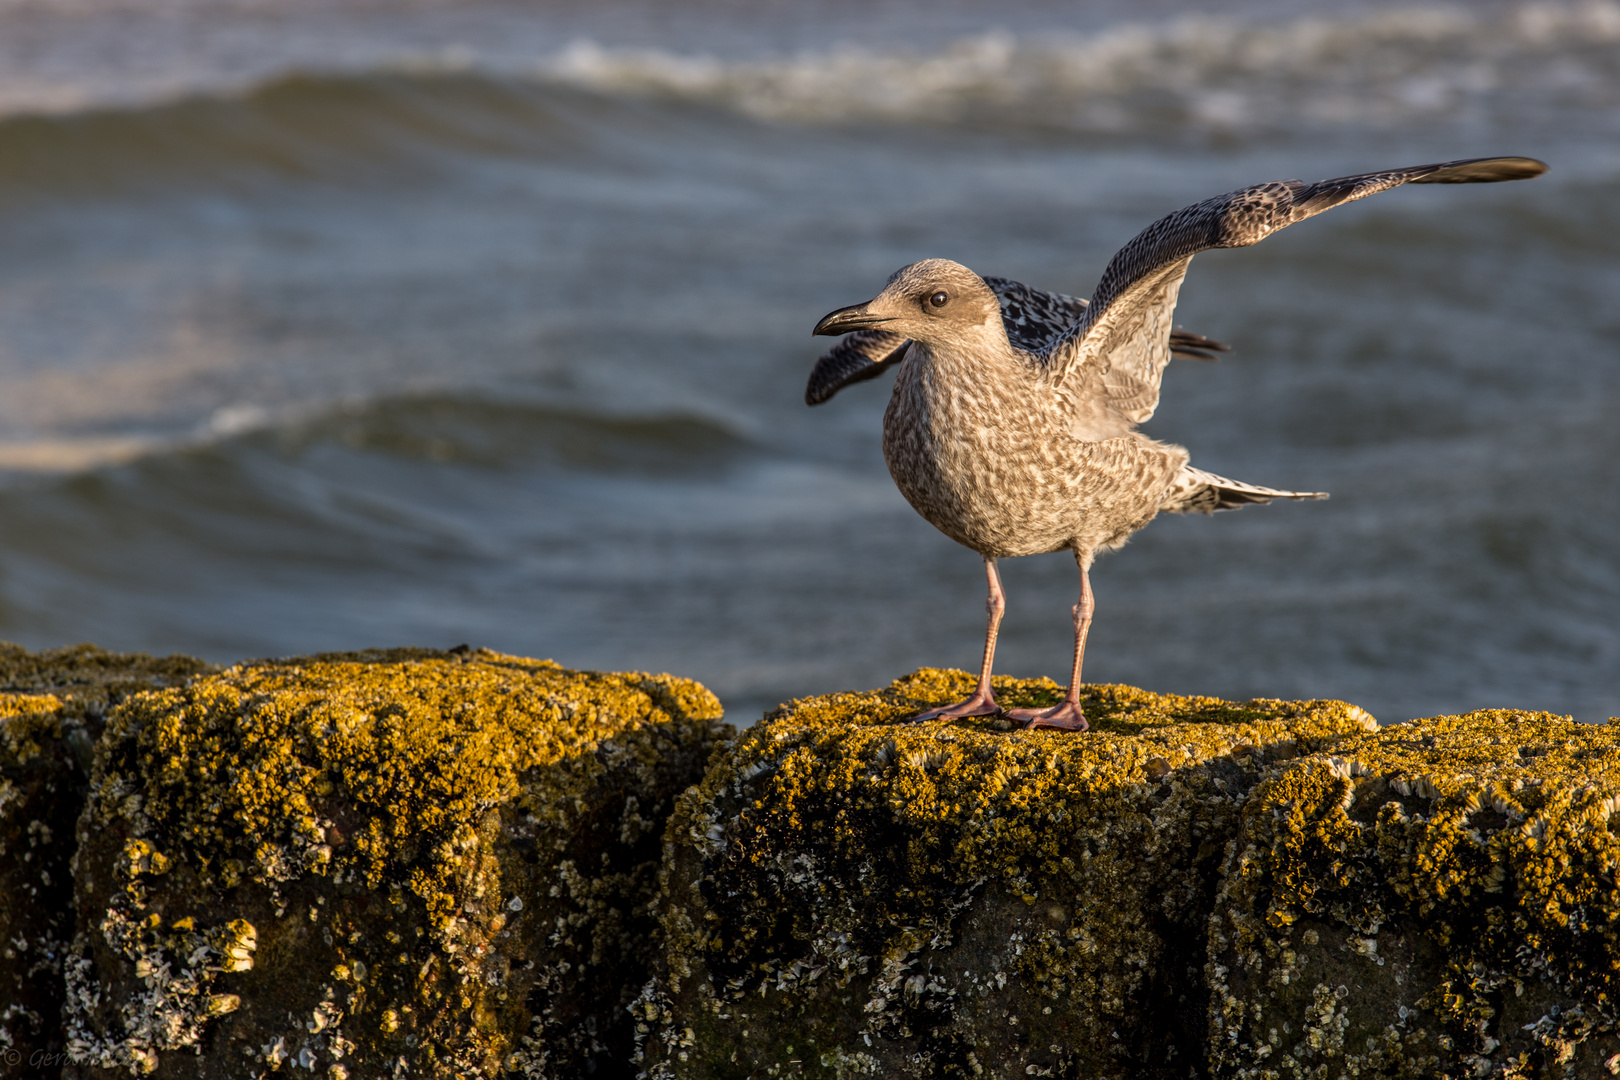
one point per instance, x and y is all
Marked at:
(939, 299)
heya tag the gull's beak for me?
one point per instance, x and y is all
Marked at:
(849, 319)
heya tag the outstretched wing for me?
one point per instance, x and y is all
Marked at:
(1033, 318)
(1125, 332)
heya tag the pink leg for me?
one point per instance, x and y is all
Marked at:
(1067, 715)
(983, 702)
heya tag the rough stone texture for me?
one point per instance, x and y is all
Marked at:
(415, 863)
(404, 863)
(846, 895)
(51, 709)
(1435, 900)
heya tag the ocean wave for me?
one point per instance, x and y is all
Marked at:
(1198, 75)
(1201, 71)
(480, 432)
(461, 429)
(299, 125)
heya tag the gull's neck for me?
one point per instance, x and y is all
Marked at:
(982, 348)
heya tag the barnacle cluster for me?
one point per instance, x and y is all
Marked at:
(51, 709)
(377, 864)
(850, 895)
(1436, 899)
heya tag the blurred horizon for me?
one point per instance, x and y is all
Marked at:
(402, 322)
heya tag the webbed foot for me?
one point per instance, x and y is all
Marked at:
(982, 703)
(1065, 716)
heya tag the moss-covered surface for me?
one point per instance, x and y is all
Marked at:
(51, 708)
(403, 863)
(1438, 899)
(849, 895)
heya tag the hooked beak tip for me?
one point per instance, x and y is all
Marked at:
(848, 320)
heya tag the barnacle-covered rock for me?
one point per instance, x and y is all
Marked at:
(51, 708)
(1436, 900)
(849, 895)
(405, 863)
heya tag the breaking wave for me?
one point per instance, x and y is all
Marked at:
(1198, 76)
(1384, 67)
(456, 429)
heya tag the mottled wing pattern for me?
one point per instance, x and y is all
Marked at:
(1136, 362)
(1033, 317)
(865, 354)
(1195, 491)
(1125, 330)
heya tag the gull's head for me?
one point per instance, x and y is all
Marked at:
(936, 302)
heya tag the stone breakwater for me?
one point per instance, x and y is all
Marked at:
(426, 864)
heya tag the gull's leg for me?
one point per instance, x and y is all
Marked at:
(983, 702)
(1066, 714)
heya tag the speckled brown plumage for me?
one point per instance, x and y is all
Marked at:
(1012, 425)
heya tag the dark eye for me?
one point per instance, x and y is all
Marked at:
(939, 299)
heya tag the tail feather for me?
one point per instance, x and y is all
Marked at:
(1189, 346)
(1198, 492)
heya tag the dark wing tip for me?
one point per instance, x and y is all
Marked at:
(824, 383)
(863, 355)
(1484, 171)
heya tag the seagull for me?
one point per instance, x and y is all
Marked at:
(1012, 424)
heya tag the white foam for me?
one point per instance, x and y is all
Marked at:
(1199, 71)
(1382, 67)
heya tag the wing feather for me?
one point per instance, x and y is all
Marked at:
(1124, 333)
(1033, 317)
(863, 355)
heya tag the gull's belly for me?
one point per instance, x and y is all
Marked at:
(1008, 481)
(967, 485)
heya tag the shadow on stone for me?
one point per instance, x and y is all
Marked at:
(52, 706)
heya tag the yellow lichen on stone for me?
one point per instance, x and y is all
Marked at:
(86, 679)
(850, 894)
(14, 704)
(1447, 886)
(28, 724)
(440, 859)
(423, 749)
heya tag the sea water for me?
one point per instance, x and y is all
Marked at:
(383, 322)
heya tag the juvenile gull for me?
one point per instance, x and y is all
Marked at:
(1012, 425)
